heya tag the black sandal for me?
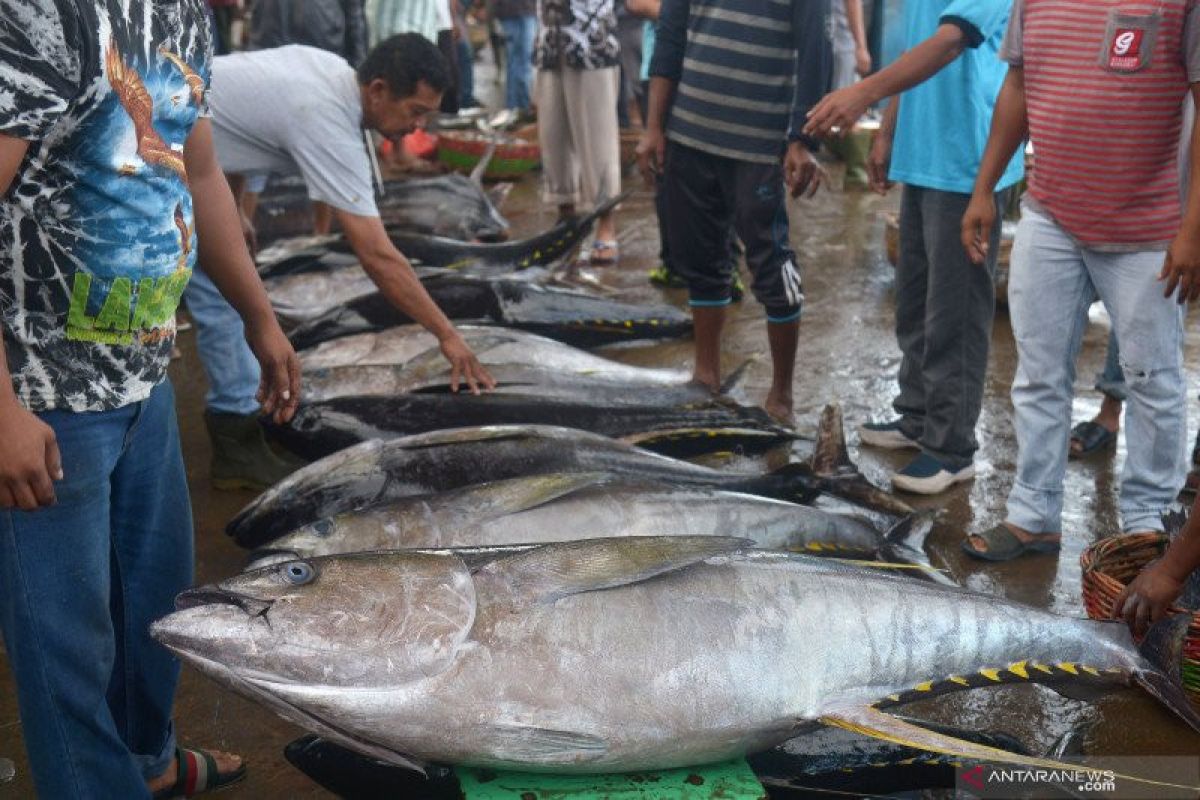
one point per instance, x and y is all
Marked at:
(198, 773)
(1003, 544)
(1092, 437)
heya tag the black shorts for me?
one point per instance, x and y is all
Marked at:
(705, 194)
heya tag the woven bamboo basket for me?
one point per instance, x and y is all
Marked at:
(1109, 565)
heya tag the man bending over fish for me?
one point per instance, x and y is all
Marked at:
(730, 85)
(302, 109)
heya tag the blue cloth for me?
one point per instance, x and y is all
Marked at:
(232, 370)
(746, 73)
(944, 122)
(519, 35)
(80, 583)
(648, 38)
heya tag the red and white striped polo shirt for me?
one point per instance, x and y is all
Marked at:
(1104, 86)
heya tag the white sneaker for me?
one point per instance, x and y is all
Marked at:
(886, 435)
(926, 475)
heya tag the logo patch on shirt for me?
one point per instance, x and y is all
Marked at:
(1126, 49)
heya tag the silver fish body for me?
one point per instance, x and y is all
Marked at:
(566, 506)
(608, 655)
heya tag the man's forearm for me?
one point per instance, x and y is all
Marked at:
(662, 94)
(401, 287)
(887, 125)
(646, 9)
(854, 17)
(1010, 127)
(222, 250)
(916, 65)
(1183, 556)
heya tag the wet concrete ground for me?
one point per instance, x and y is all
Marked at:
(847, 354)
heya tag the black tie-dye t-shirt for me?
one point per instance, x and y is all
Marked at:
(97, 237)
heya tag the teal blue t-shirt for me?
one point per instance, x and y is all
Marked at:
(944, 122)
(648, 39)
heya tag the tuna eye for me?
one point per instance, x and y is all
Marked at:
(299, 573)
(323, 527)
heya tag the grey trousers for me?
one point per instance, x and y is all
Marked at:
(944, 310)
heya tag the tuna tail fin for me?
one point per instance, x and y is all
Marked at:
(904, 543)
(481, 167)
(1163, 648)
(831, 458)
(737, 377)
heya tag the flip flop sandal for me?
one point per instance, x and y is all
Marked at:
(601, 245)
(1092, 437)
(197, 774)
(1003, 545)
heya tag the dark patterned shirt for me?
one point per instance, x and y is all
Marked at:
(97, 237)
(581, 34)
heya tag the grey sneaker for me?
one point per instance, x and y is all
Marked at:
(887, 435)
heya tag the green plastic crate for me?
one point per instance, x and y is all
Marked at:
(733, 780)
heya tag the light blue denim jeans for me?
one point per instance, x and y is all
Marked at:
(231, 367)
(518, 44)
(80, 583)
(1111, 381)
(1051, 284)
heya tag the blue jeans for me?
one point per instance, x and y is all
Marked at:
(518, 44)
(1112, 380)
(466, 73)
(80, 583)
(1052, 283)
(233, 372)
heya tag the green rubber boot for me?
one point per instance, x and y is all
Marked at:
(241, 457)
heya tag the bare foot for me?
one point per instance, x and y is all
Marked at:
(1025, 536)
(779, 407)
(710, 382)
(226, 762)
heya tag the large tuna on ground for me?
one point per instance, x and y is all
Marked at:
(615, 655)
(564, 506)
(378, 471)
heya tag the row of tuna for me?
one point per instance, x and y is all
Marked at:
(455, 581)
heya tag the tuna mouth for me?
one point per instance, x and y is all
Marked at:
(214, 595)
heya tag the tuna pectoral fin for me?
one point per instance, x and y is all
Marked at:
(542, 745)
(545, 574)
(881, 725)
(1163, 647)
(514, 495)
